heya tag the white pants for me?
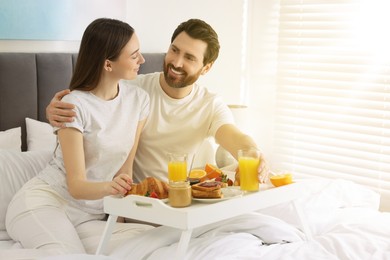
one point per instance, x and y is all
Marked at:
(38, 217)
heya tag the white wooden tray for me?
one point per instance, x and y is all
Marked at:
(197, 215)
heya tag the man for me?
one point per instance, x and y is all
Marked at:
(182, 113)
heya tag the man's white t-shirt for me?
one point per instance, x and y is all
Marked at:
(108, 129)
(175, 125)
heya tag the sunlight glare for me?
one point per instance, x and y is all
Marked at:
(371, 27)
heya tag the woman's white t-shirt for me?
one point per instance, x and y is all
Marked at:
(108, 129)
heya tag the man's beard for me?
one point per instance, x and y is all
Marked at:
(184, 80)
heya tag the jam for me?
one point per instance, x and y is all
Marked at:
(193, 181)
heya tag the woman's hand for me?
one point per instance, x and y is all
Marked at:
(121, 184)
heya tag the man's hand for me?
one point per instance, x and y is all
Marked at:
(263, 169)
(263, 172)
(58, 112)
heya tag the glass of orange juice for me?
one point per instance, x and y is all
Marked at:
(248, 164)
(177, 167)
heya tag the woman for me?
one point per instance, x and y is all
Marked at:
(62, 207)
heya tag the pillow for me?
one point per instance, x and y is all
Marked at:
(40, 136)
(16, 168)
(11, 139)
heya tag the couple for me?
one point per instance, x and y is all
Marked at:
(99, 138)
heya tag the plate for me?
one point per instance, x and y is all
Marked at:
(228, 193)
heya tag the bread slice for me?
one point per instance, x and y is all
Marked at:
(207, 189)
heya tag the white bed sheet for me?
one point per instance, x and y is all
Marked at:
(342, 216)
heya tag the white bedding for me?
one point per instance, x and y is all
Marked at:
(342, 216)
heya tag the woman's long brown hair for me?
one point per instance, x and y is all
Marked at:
(103, 39)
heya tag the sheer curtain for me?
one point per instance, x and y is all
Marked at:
(332, 97)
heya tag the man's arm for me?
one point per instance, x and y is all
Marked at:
(58, 112)
(232, 140)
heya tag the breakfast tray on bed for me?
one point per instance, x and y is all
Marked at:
(198, 214)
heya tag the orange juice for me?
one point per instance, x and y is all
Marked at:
(248, 166)
(177, 171)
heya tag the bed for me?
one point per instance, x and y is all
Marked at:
(343, 217)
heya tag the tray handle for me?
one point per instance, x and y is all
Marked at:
(145, 202)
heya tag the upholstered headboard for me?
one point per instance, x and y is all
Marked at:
(28, 81)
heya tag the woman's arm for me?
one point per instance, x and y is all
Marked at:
(79, 187)
(127, 167)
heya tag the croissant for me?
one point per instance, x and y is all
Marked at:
(149, 185)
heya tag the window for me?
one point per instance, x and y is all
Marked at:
(332, 104)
